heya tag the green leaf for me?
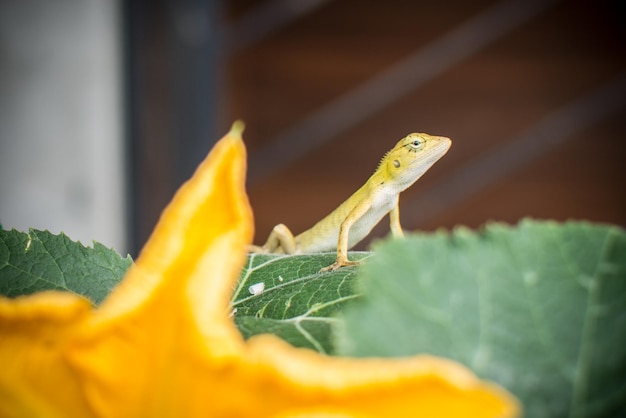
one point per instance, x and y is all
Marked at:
(39, 260)
(540, 309)
(298, 303)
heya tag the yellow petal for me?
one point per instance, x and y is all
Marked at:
(35, 380)
(162, 343)
(167, 322)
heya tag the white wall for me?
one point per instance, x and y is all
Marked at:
(61, 151)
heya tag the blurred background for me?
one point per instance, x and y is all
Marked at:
(106, 107)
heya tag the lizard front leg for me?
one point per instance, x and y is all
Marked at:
(280, 238)
(394, 222)
(342, 244)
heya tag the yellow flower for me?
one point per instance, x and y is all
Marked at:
(162, 344)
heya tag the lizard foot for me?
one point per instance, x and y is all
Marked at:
(257, 249)
(339, 264)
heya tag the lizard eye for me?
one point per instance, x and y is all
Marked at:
(415, 144)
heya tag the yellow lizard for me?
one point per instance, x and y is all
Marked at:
(353, 220)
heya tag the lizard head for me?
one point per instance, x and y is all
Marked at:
(412, 156)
